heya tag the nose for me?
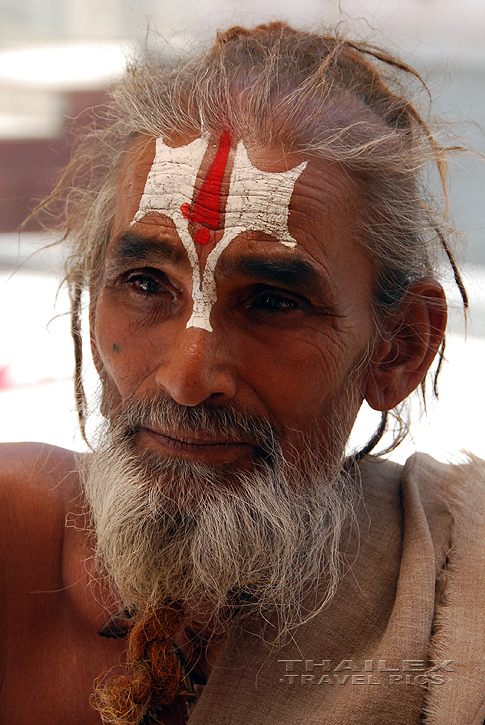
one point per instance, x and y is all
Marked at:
(196, 369)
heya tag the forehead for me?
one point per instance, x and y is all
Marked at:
(323, 213)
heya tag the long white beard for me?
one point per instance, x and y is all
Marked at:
(217, 539)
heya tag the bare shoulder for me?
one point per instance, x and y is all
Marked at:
(36, 482)
(35, 475)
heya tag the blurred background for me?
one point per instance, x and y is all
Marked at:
(58, 58)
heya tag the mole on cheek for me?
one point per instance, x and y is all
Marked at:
(116, 347)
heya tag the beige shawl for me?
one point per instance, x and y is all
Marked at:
(403, 640)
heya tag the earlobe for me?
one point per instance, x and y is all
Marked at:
(412, 337)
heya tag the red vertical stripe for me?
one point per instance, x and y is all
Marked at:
(207, 207)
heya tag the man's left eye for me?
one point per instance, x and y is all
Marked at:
(273, 302)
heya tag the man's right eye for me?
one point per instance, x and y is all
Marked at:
(143, 283)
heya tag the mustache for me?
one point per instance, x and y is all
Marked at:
(168, 416)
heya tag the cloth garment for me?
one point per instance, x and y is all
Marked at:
(403, 639)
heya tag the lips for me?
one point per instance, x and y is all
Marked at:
(198, 446)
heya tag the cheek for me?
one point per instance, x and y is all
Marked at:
(122, 349)
(297, 376)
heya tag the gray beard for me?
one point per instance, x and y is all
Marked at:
(219, 541)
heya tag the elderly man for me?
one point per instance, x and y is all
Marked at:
(259, 256)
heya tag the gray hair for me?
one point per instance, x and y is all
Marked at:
(320, 94)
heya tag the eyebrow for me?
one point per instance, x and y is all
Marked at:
(295, 273)
(131, 248)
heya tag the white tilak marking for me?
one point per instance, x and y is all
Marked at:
(170, 183)
(258, 201)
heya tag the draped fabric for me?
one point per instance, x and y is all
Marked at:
(403, 640)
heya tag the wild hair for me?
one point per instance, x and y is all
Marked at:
(321, 94)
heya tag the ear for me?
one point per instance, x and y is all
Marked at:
(412, 337)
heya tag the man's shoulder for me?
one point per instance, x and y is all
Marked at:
(461, 485)
(452, 483)
(448, 498)
(36, 483)
(39, 487)
(31, 471)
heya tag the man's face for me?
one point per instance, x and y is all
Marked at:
(234, 369)
(288, 323)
